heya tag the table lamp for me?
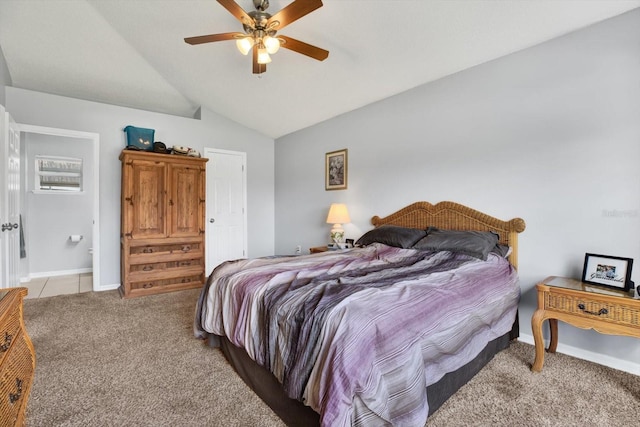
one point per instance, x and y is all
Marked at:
(338, 215)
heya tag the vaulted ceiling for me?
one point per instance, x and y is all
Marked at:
(132, 52)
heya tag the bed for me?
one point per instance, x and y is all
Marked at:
(382, 334)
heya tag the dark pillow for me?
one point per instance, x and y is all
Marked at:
(477, 244)
(391, 235)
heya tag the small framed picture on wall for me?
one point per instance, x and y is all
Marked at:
(606, 270)
(335, 175)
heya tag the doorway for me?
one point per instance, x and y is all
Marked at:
(226, 202)
(61, 227)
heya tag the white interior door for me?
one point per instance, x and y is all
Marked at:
(10, 198)
(226, 206)
(3, 198)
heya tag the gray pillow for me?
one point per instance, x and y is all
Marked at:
(477, 244)
(391, 235)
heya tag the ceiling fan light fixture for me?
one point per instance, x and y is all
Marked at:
(245, 44)
(260, 29)
(272, 44)
(263, 56)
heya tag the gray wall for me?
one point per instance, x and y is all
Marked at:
(211, 130)
(550, 134)
(5, 77)
(49, 219)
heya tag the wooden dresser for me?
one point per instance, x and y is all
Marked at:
(162, 224)
(17, 358)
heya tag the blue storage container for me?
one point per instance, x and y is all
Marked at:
(139, 138)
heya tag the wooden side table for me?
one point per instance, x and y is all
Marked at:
(586, 306)
(318, 249)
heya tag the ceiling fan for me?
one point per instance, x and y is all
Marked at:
(260, 30)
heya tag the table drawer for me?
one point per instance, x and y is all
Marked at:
(586, 307)
(15, 381)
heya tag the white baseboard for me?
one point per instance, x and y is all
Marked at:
(100, 289)
(109, 287)
(600, 359)
(55, 273)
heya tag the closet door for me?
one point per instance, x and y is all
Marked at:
(186, 200)
(144, 192)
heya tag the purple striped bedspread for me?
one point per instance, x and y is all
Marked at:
(358, 335)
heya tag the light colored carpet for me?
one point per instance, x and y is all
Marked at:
(569, 392)
(105, 361)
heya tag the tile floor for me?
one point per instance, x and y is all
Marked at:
(59, 285)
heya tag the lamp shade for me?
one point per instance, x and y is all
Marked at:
(338, 214)
(244, 44)
(272, 44)
(263, 56)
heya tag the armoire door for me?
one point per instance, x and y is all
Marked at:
(145, 192)
(185, 200)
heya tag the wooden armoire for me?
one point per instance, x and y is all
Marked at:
(162, 224)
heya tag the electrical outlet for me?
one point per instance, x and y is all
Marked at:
(298, 250)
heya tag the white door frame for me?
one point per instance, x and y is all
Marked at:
(209, 153)
(94, 139)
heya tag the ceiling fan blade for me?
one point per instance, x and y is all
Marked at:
(304, 48)
(258, 68)
(212, 38)
(236, 11)
(294, 11)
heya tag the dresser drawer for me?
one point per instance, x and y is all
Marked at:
(9, 331)
(15, 380)
(584, 306)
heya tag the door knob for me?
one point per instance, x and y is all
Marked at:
(211, 220)
(8, 226)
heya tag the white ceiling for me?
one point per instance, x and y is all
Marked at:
(132, 53)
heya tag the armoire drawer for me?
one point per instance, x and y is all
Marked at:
(169, 248)
(183, 282)
(168, 265)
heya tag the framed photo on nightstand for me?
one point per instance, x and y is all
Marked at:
(606, 270)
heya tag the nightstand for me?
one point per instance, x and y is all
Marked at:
(586, 306)
(318, 249)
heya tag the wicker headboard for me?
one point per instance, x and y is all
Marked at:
(454, 216)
